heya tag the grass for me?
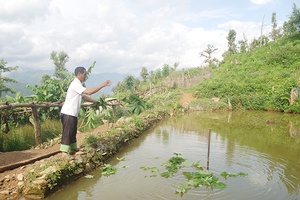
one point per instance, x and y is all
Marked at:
(22, 137)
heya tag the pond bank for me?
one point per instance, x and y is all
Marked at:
(46, 176)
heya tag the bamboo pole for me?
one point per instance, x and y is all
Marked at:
(208, 149)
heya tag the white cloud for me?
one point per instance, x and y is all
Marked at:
(261, 2)
(121, 36)
(23, 10)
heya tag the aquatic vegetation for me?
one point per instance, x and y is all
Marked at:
(195, 179)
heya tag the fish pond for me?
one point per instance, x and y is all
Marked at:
(242, 154)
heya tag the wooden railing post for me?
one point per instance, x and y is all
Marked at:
(37, 126)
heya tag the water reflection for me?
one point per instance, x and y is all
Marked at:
(264, 145)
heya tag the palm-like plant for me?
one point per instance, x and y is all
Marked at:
(135, 104)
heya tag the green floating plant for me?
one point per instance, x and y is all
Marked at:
(198, 178)
(227, 175)
(108, 170)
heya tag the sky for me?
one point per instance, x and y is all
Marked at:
(123, 36)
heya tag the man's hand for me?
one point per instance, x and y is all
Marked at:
(107, 83)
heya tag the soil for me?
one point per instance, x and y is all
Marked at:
(14, 163)
(186, 98)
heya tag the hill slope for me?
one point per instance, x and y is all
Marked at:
(260, 79)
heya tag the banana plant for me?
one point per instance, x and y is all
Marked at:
(134, 104)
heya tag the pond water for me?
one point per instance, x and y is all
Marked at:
(265, 145)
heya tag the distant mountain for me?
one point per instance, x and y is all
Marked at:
(33, 77)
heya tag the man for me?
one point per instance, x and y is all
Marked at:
(69, 112)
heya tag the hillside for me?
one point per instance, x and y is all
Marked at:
(260, 79)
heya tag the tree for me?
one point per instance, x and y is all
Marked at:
(158, 74)
(129, 82)
(152, 77)
(144, 74)
(256, 43)
(275, 32)
(207, 54)
(59, 60)
(293, 24)
(44, 78)
(243, 46)
(3, 79)
(232, 49)
(165, 70)
(120, 87)
(173, 69)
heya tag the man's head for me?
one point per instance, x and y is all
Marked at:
(80, 73)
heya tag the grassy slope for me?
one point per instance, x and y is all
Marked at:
(260, 79)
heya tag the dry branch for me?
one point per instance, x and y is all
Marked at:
(32, 104)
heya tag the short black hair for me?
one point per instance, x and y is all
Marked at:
(79, 69)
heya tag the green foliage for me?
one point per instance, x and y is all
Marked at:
(275, 33)
(195, 179)
(17, 99)
(53, 178)
(91, 118)
(173, 165)
(91, 141)
(165, 70)
(22, 137)
(165, 101)
(59, 60)
(293, 24)
(207, 54)
(129, 82)
(227, 175)
(52, 91)
(108, 170)
(96, 105)
(144, 74)
(153, 170)
(4, 79)
(232, 49)
(260, 79)
(134, 104)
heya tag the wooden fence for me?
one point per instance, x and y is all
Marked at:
(33, 108)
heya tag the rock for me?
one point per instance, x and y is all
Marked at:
(20, 177)
(20, 183)
(40, 182)
(89, 167)
(123, 119)
(49, 170)
(4, 192)
(216, 99)
(78, 171)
